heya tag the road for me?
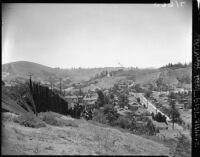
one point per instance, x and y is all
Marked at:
(151, 108)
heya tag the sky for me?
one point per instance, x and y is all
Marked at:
(97, 35)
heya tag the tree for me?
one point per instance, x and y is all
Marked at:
(159, 82)
(80, 92)
(110, 114)
(147, 95)
(171, 96)
(151, 87)
(115, 88)
(2, 83)
(100, 98)
(174, 113)
(106, 99)
(138, 100)
(138, 88)
(123, 100)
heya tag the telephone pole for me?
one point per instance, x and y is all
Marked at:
(30, 75)
(30, 81)
(51, 82)
(60, 84)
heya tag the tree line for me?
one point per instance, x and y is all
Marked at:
(176, 66)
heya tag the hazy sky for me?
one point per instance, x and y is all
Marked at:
(97, 35)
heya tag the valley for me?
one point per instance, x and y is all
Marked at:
(124, 103)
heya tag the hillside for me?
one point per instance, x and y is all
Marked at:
(22, 69)
(179, 76)
(86, 139)
(169, 76)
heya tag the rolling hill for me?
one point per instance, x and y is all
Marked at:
(21, 69)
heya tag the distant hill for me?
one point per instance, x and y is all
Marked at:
(21, 69)
(24, 68)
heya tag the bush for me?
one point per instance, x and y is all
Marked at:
(99, 117)
(54, 119)
(68, 123)
(50, 113)
(146, 113)
(159, 117)
(142, 118)
(123, 122)
(138, 100)
(133, 108)
(111, 114)
(151, 129)
(29, 120)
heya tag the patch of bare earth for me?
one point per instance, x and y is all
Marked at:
(86, 139)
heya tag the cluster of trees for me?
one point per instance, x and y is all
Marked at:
(159, 117)
(110, 116)
(76, 111)
(102, 74)
(173, 111)
(131, 77)
(137, 88)
(123, 100)
(104, 99)
(177, 65)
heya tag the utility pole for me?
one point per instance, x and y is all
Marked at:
(30, 81)
(30, 75)
(51, 82)
(173, 107)
(60, 85)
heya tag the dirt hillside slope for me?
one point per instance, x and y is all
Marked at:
(87, 139)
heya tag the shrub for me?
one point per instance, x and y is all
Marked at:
(99, 116)
(50, 113)
(151, 129)
(123, 122)
(146, 113)
(142, 118)
(54, 119)
(29, 120)
(159, 117)
(110, 114)
(68, 123)
(8, 116)
(50, 119)
(138, 100)
(133, 108)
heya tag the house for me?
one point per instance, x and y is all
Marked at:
(73, 98)
(180, 90)
(108, 74)
(68, 89)
(126, 107)
(90, 100)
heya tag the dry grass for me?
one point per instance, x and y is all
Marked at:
(55, 119)
(29, 120)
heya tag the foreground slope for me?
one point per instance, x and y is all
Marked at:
(87, 139)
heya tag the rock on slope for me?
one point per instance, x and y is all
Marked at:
(87, 139)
